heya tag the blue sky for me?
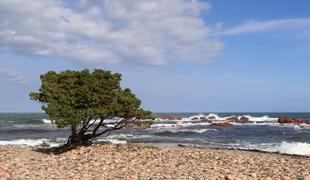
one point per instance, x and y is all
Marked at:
(177, 55)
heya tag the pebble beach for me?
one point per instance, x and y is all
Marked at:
(110, 161)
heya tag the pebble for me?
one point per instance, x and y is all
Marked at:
(4, 174)
(285, 178)
(253, 175)
(307, 177)
(229, 177)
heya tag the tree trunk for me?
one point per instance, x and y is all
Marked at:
(78, 138)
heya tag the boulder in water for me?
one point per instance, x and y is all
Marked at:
(221, 124)
(211, 117)
(195, 119)
(232, 118)
(244, 118)
(292, 120)
(202, 118)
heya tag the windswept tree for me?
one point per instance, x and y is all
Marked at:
(91, 103)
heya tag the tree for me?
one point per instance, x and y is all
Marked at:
(87, 101)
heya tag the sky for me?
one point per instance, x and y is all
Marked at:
(175, 55)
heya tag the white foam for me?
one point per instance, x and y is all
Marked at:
(215, 117)
(116, 141)
(113, 141)
(260, 119)
(180, 124)
(121, 136)
(47, 121)
(30, 142)
(176, 130)
(276, 124)
(210, 116)
(203, 130)
(296, 148)
(197, 117)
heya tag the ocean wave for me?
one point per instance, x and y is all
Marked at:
(113, 141)
(275, 124)
(291, 148)
(260, 119)
(216, 117)
(202, 117)
(176, 130)
(46, 121)
(128, 136)
(185, 124)
(178, 125)
(294, 148)
(26, 127)
(33, 142)
(200, 130)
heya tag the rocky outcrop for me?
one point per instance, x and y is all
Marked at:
(202, 118)
(292, 120)
(221, 124)
(236, 118)
(244, 118)
(211, 117)
(232, 118)
(195, 119)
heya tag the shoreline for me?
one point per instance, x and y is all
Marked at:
(133, 161)
(165, 146)
(221, 148)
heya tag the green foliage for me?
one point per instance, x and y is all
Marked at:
(75, 97)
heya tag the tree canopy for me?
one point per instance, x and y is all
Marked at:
(85, 99)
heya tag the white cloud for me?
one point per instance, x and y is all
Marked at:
(267, 26)
(12, 75)
(109, 31)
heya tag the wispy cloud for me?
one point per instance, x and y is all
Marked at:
(109, 31)
(267, 26)
(12, 75)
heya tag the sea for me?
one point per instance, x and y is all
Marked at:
(261, 132)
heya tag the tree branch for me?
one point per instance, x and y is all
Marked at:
(99, 124)
(87, 127)
(117, 126)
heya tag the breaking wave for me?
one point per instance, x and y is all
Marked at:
(294, 148)
(176, 130)
(33, 142)
(262, 119)
(46, 121)
(215, 117)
